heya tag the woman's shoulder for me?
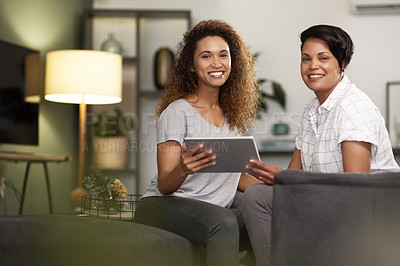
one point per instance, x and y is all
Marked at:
(355, 102)
(355, 96)
(179, 105)
(178, 109)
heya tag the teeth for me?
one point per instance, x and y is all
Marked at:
(316, 76)
(216, 73)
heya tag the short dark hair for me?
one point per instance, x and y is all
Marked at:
(339, 42)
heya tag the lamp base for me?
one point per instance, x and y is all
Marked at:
(76, 195)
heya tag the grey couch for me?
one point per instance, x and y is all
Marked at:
(70, 240)
(336, 219)
(318, 220)
(66, 240)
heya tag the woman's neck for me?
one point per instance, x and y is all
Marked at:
(205, 98)
(206, 103)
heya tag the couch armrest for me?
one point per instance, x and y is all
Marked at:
(336, 219)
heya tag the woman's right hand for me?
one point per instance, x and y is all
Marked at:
(174, 165)
(195, 159)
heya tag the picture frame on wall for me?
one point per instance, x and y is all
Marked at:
(393, 112)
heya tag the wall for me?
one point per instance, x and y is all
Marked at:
(272, 27)
(45, 25)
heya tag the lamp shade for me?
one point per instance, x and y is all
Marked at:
(83, 76)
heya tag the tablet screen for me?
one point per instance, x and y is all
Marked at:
(233, 153)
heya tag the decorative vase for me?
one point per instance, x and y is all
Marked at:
(110, 152)
(162, 67)
(111, 44)
(280, 129)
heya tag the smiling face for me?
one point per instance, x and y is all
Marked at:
(320, 69)
(212, 62)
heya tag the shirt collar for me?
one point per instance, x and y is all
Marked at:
(336, 94)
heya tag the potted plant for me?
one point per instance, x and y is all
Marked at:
(105, 193)
(278, 95)
(110, 142)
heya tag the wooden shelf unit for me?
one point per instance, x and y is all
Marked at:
(141, 32)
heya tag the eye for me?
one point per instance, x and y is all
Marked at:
(305, 59)
(224, 55)
(324, 58)
(205, 56)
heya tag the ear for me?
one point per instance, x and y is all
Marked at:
(345, 68)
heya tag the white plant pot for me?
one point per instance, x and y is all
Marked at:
(110, 152)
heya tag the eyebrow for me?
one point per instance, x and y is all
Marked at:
(206, 51)
(320, 53)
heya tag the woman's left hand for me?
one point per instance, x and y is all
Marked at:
(262, 171)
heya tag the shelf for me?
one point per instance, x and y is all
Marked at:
(130, 60)
(185, 14)
(275, 152)
(151, 93)
(117, 170)
(141, 33)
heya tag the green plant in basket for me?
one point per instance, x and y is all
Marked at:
(106, 190)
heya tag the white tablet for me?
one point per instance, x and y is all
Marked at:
(233, 153)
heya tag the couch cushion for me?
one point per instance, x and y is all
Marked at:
(72, 240)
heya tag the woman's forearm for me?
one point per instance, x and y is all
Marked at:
(247, 180)
(169, 182)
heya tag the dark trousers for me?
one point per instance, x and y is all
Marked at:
(257, 213)
(200, 222)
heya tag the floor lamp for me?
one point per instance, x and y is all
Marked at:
(83, 77)
(32, 78)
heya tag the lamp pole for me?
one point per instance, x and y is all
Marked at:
(76, 194)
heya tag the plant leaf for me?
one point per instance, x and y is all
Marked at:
(279, 94)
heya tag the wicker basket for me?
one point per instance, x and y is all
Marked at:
(110, 209)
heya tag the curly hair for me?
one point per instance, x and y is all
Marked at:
(239, 97)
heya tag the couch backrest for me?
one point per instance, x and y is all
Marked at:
(336, 219)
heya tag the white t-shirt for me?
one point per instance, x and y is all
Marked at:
(348, 114)
(180, 120)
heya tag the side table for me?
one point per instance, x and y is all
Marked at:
(34, 158)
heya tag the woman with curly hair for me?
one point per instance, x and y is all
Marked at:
(238, 98)
(211, 92)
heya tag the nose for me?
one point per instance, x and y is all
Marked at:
(216, 63)
(314, 64)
